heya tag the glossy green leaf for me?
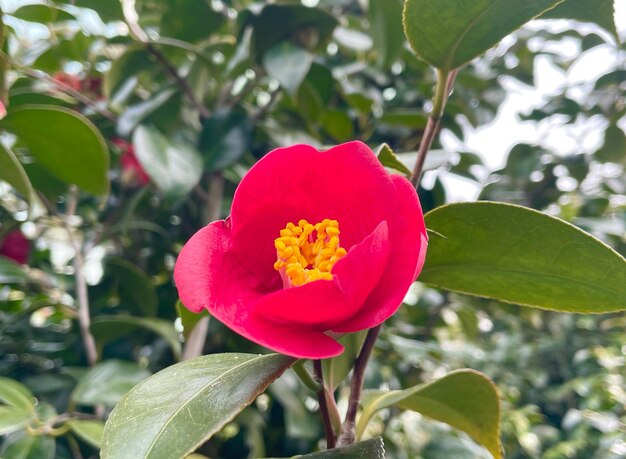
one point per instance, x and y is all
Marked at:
(385, 18)
(107, 328)
(12, 419)
(518, 255)
(88, 431)
(614, 147)
(288, 63)
(74, 151)
(107, 382)
(336, 369)
(179, 408)
(20, 445)
(465, 399)
(226, 136)
(15, 394)
(374, 448)
(600, 12)
(174, 166)
(450, 33)
(12, 171)
(388, 159)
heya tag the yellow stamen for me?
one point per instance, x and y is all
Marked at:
(306, 252)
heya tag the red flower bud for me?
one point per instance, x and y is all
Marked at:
(15, 246)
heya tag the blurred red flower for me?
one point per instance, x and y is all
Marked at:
(132, 171)
(317, 244)
(15, 246)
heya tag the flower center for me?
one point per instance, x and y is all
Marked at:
(306, 252)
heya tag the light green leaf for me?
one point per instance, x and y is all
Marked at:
(107, 382)
(289, 64)
(336, 369)
(466, 400)
(189, 319)
(12, 419)
(88, 431)
(385, 18)
(20, 445)
(179, 408)
(174, 166)
(135, 60)
(36, 13)
(373, 448)
(600, 12)
(11, 272)
(106, 328)
(74, 151)
(12, 171)
(388, 159)
(450, 33)
(15, 394)
(518, 255)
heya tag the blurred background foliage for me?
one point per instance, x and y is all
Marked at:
(188, 95)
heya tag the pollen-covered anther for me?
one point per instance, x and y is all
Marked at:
(306, 252)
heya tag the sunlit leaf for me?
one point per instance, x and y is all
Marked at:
(88, 431)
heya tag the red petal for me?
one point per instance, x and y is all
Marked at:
(325, 303)
(208, 276)
(407, 233)
(345, 183)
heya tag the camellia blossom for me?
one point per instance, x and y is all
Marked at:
(318, 244)
(132, 169)
(15, 246)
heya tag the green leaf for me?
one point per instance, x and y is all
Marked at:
(600, 12)
(518, 255)
(36, 13)
(74, 151)
(225, 137)
(135, 60)
(12, 419)
(191, 21)
(107, 382)
(107, 328)
(174, 166)
(388, 159)
(385, 18)
(16, 395)
(189, 319)
(289, 64)
(179, 408)
(20, 445)
(373, 448)
(88, 431)
(465, 399)
(12, 171)
(132, 116)
(450, 33)
(614, 147)
(135, 287)
(336, 369)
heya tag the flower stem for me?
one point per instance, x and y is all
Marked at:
(445, 81)
(321, 396)
(347, 435)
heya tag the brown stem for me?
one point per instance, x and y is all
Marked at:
(321, 396)
(347, 435)
(445, 81)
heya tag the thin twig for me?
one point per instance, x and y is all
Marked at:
(445, 81)
(82, 296)
(321, 396)
(347, 435)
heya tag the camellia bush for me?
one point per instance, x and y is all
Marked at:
(226, 231)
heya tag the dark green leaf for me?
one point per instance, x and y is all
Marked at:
(12, 171)
(614, 146)
(385, 18)
(11, 272)
(179, 408)
(338, 125)
(135, 60)
(107, 382)
(466, 400)
(225, 137)
(108, 11)
(107, 328)
(518, 255)
(134, 115)
(174, 166)
(288, 63)
(136, 290)
(36, 13)
(388, 159)
(74, 151)
(191, 21)
(88, 431)
(450, 33)
(20, 445)
(600, 12)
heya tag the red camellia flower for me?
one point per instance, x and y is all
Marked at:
(15, 246)
(131, 166)
(318, 243)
